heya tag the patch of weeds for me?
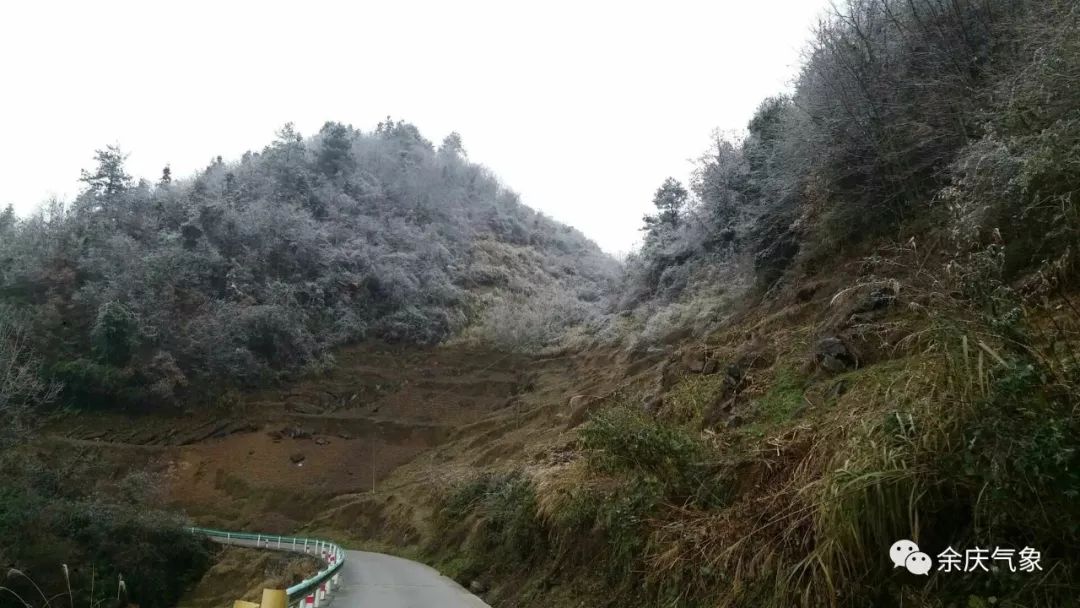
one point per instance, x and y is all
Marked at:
(623, 517)
(783, 399)
(625, 440)
(466, 497)
(460, 568)
(578, 514)
(621, 439)
(786, 395)
(1023, 450)
(506, 504)
(688, 400)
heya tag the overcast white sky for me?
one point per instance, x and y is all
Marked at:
(582, 107)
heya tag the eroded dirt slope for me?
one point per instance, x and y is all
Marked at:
(353, 453)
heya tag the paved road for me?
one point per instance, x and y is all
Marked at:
(374, 580)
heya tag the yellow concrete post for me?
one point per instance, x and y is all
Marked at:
(274, 598)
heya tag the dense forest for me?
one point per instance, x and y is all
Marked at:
(906, 117)
(139, 293)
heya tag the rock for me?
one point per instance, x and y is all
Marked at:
(711, 366)
(344, 435)
(322, 441)
(652, 404)
(295, 432)
(833, 355)
(733, 376)
(297, 458)
(694, 360)
(579, 406)
(477, 587)
(878, 298)
(806, 292)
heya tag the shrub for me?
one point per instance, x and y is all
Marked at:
(529, 323)
(22, 388)
(627, 441)
(506, 506)
(46, 521)
(115, 334)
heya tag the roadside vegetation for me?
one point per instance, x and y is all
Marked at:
(72, 530)
(869, 309)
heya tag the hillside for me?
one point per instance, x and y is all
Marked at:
(856, 323)
(177, 296)
(139, 293)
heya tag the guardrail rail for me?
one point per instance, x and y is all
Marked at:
(308, 593)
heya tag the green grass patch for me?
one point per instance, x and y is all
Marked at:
(690, 398)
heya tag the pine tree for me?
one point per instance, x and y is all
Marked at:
(670, 198)
(110, 178)
(335, 152)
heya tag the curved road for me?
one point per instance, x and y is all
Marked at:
(375, 580)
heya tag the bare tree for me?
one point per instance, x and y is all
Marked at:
(21, 386)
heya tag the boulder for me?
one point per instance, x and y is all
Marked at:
(833, 355)
(297, 458)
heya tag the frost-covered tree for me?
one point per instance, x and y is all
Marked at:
(22, 386)
(250, 271)
(669, 200)
(109, 178)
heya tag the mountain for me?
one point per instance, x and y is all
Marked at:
(147, 295)
(855, 328)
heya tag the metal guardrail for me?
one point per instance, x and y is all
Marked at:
(311, 591)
